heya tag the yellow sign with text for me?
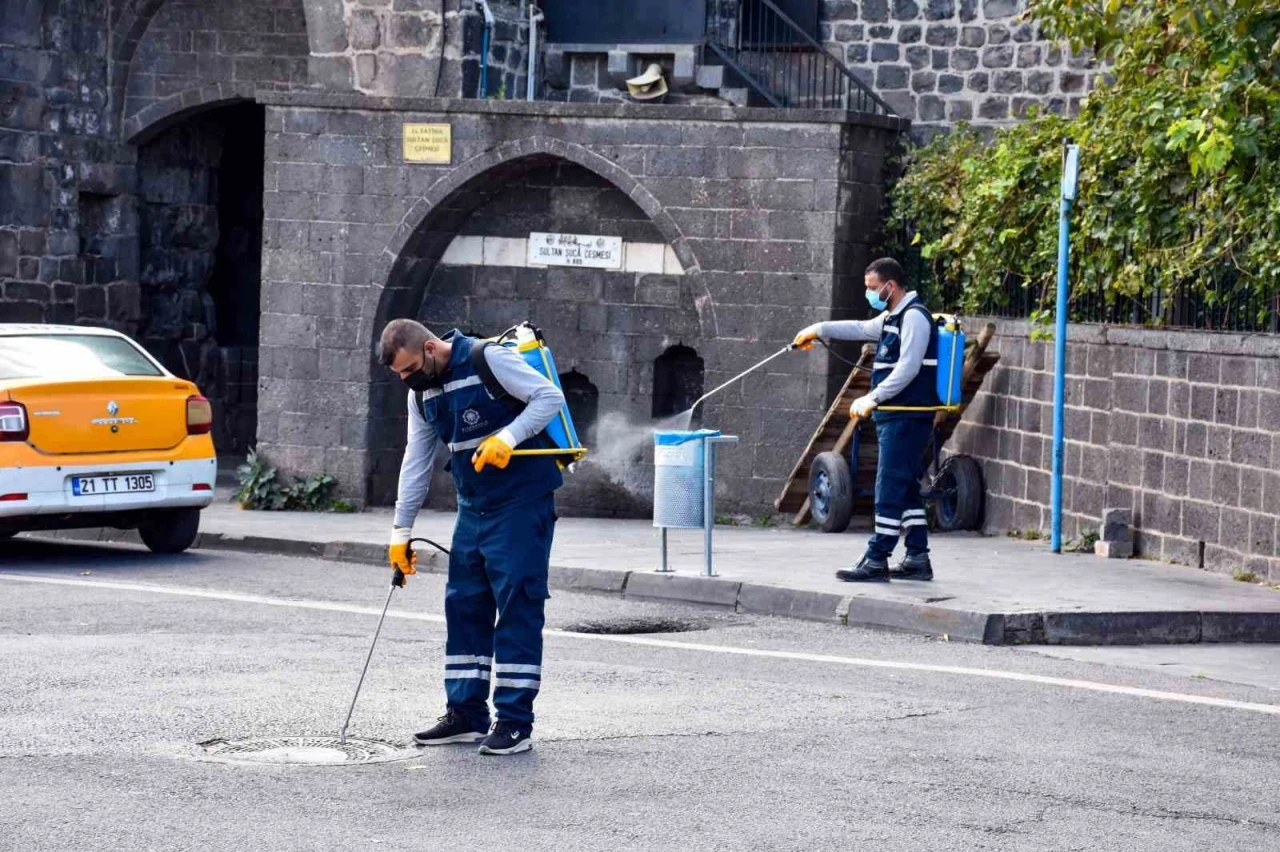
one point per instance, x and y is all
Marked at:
(428, 143)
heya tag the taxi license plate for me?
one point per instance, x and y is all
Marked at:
(125, 483)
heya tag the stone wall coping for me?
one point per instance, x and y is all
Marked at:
(1173, 340)
(556, 109)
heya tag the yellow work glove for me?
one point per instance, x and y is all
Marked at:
(494, 451)
(806, 337)
(398, 552)
(863, 406)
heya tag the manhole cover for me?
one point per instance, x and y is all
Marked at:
(304, 751)
(626, 626)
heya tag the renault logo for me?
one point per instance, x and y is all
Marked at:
(113, 408)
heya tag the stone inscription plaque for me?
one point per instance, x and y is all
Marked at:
(575, 250)
(428, 143)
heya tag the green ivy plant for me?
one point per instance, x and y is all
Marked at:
(261, 489)
(1180, 164)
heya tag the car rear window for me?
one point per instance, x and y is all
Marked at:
(71, 356)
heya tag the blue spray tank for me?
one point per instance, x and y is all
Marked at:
(527, 339)
(950, 369)
(950, 359)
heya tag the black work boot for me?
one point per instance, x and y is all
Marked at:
(453, 728)
(911, 567)
(868, 570)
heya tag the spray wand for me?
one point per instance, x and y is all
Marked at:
(397, 582)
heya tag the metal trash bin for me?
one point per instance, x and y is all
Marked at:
(684, 484)
(679, 472)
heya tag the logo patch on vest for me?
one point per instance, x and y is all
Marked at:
(470, 417)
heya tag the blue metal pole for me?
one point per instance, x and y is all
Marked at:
(1060, 371)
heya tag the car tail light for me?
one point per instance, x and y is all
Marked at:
(12, 498)
(201, 486)
(199, 416)
(13, 422)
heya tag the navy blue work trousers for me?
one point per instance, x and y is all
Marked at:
(899, 507)
(493, 607)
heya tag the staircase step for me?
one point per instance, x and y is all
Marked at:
(710, 76)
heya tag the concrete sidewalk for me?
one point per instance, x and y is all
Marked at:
(987, 589)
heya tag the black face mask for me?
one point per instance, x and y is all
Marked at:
(420, 380)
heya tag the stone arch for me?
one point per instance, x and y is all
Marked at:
(405, 272)
(325, 29)
(160, 116)
(384, 303)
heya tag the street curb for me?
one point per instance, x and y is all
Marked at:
(858, 610)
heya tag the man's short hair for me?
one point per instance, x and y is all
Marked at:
(401, 334)
(889, 270)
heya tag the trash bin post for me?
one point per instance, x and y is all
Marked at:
(709, 495)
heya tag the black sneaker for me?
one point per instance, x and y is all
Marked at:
(453, 728)
(913, 568)
(507, 738)
(868, 570)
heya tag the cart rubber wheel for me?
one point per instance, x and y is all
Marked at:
(961, 496)
(831, 492)
(171, 530)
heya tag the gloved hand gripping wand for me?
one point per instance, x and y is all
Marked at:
(397, 581)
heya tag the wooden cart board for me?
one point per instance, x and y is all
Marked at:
(836, 429)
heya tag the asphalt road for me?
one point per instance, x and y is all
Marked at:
(747, 733)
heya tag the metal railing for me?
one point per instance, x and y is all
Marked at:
(1220, 301)
(781, 62)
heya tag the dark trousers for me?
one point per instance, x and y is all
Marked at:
(899, 508)
(493, 608)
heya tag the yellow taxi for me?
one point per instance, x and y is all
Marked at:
(94, 432)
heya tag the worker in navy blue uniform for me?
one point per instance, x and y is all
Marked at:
(903, 397)
(497, 584)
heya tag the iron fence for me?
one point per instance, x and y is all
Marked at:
(1219, 302)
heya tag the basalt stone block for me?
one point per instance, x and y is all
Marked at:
(1000, 8)
(940, 10)
(918, 57)
(963, 59)
(1007, 82)
(1040, 82)
(884, 52)
(931, 108)
(8, 253)
(949, 84)
(942, 35)
(1000, 56)
(905, 10)
(875, 11)
(890, 77)
(909, 33)
(995, 109)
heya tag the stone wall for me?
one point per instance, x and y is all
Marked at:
(1178, 427)
(414, 48)
(190, 44)
(937, 62)
(764, 210)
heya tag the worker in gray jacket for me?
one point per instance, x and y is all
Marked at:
(482, 401)
(903, 397)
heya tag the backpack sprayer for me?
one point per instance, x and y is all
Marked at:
(527, 340)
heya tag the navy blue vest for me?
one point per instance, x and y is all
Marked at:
(464, 413)
(923, 389)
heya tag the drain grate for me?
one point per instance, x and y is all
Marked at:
(628, 626)
(304, 751)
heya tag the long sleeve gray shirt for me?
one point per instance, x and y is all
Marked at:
(915, 343)
(543, 400)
